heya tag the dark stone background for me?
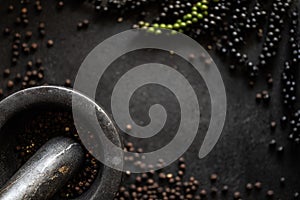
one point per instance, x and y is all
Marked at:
(242, 154)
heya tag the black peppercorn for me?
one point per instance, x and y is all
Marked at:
(272, 143)
(258, 185)
(10, 8)
(6, 72)
(68, 82)
(273, 125)
(60, 4)
(280, 149)
(236, 195)
(203, 193)
(42, 33)
(50, 43)
(18, 77)
(34, 46)
(225, 189)
(10, 84)
(270, 193)
(79, 25)
(213, 191)
(213, 177)
(38, 62)
(85, 23)
(6, 31)
(282, 181)
(258, 97)
(249, 187)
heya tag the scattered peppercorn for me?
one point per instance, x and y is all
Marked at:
(273, 125)
(79, 25)
(6, 72)
(258, 185)
(213, 177)
(68, 82)
(282, 181)
(50, 43)
(34, 46)
(237, 195)
(270, 193)
(85, 23)
(60, 4)
(10, 84)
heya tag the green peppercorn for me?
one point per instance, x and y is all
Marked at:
(169, 26)
(194, 20)
(176, 26)
(189, 16)
(156, 25)
(200, 16)
(183, 24)
(158, 31)
(151, 29)
(162, 26)
(194, 13)
(204, 7)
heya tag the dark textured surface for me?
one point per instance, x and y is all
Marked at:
(242, 154)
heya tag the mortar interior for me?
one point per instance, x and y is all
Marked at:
(9, 159)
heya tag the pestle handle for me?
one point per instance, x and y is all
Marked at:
(46, 172)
